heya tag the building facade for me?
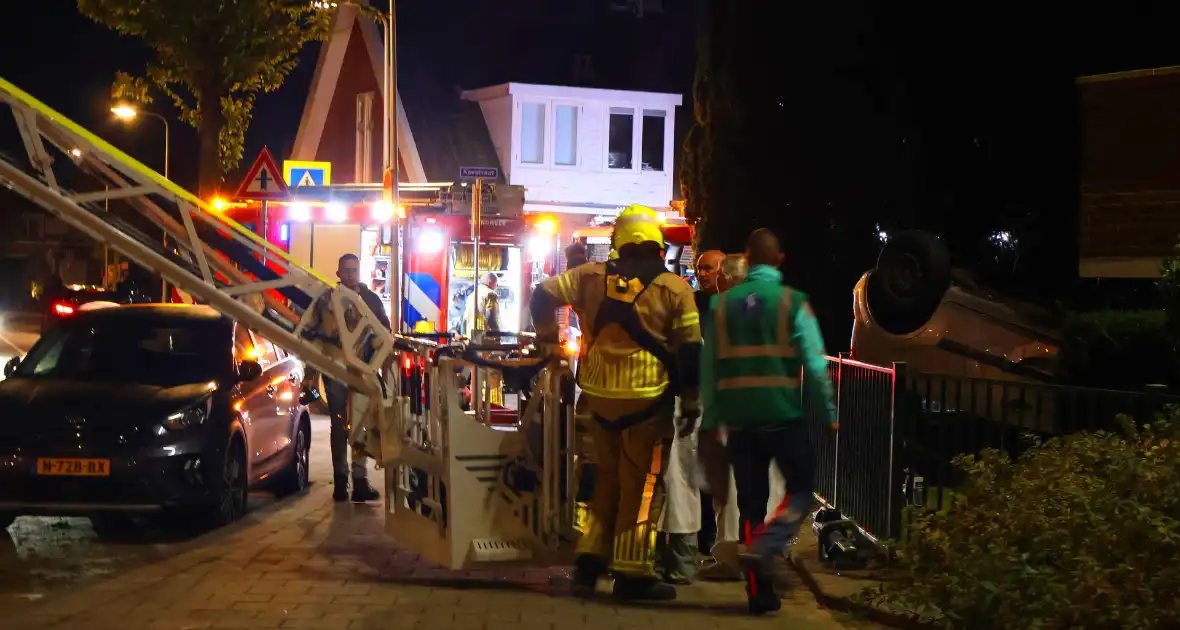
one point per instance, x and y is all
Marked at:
(582, 151)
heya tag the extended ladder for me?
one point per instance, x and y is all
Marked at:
(460, 490)
(215, 252)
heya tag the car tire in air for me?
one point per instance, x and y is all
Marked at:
(906, 287)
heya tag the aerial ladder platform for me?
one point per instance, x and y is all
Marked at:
(464, 488)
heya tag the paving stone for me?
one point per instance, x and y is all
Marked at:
(307, 562)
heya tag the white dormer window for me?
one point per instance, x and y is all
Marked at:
(652, 140)
(621, 139)
(565, 135)
(532, 133)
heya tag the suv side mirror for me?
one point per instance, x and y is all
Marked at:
(248, 370)
(10, 367)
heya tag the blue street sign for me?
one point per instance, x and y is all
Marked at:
(472, 172)
(299, 173)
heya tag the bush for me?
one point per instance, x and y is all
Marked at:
(1117, 349)
(1082, 531)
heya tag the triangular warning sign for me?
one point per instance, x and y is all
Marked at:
(306, 180)
(264, 180)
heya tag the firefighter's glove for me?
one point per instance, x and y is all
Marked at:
(690, 416)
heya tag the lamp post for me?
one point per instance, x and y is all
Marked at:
(127, 113)
(396, 287)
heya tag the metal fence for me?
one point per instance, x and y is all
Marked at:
(855, 466)
(899, 432)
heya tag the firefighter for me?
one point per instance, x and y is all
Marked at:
(641, 351)
(482, 311)
(759, 336)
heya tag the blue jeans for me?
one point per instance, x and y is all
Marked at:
(750, 452)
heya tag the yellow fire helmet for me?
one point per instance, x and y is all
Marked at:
(637, 224)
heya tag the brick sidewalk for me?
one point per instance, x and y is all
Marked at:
(310, 563)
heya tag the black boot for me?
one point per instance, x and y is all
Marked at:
(650, 589)
(587, 569)
(761, 594)
(363, 491)
(340, 488)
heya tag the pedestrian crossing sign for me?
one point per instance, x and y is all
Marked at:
(299, 173)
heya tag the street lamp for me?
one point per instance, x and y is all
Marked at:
(127, 113)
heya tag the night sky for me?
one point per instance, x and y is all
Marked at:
(977, 99)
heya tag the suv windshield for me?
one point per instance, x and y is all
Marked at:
(164, 354)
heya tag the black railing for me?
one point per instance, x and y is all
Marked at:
(899, 432)
(947, 416)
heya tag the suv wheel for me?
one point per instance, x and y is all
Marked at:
(232, 486)
(295, 476)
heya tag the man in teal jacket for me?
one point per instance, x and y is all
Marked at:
(760, 339)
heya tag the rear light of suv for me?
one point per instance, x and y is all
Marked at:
(61, 309)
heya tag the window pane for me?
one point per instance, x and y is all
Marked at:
(162, 354)
(653, 140)
(622, 138)
(532, 133)
(565, 140)
(269, 355)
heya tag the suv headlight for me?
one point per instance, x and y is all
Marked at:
(190, 417)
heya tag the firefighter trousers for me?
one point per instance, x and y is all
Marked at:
(629, 493)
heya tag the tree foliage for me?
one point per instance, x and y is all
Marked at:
(1083, 531)
(1117, 349)
(212, 58)
(1168, 286)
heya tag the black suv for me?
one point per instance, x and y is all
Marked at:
(140, 409)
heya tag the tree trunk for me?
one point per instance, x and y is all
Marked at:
(721, 191)
(209, 173)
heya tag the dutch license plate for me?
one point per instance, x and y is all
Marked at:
(73, 467)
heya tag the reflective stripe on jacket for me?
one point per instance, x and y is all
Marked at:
(759, 339)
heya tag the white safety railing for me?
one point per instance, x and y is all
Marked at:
(472, 481)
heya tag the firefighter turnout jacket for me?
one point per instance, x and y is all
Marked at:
(641, 333)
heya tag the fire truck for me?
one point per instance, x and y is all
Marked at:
(317, 225)
(678, 236)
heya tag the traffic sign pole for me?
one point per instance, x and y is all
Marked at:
(264, 234)
(476, 212)
(397, 287)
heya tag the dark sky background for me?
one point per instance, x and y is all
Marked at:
(956, 117)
